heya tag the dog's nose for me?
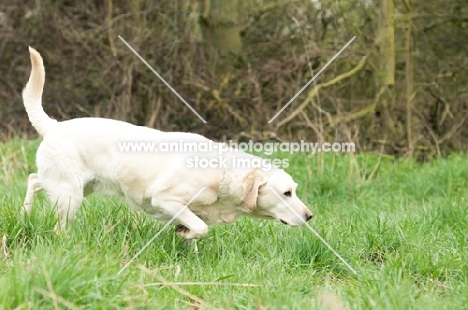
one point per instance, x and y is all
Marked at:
(309, 216)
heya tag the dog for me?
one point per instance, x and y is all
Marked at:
(81, 156)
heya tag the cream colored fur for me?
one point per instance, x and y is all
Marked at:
(80, 156)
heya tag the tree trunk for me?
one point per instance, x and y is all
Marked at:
(409, 76)
(219, 21)
(387, 66)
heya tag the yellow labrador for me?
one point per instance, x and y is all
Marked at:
(79, 156)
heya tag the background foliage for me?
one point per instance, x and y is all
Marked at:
(90, 72)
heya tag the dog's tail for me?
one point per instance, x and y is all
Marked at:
(32, 96)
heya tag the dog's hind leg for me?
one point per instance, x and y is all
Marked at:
(67, 200)
(34, 186)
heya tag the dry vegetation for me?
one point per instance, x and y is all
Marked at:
(90, 72)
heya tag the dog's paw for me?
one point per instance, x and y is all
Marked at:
(181, 230)
(188, 234)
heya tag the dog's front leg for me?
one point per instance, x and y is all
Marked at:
(190, 226)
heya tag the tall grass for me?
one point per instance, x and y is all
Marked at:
(401, 225)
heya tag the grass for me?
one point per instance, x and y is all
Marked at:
(401, 225)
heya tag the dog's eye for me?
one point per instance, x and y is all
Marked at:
(287, 194)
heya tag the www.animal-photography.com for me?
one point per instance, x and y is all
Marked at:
(235, 154)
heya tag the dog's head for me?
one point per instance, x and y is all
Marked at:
(273, 196)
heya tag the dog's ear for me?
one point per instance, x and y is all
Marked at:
(251, 185)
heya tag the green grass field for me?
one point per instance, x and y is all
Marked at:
(403, 226)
